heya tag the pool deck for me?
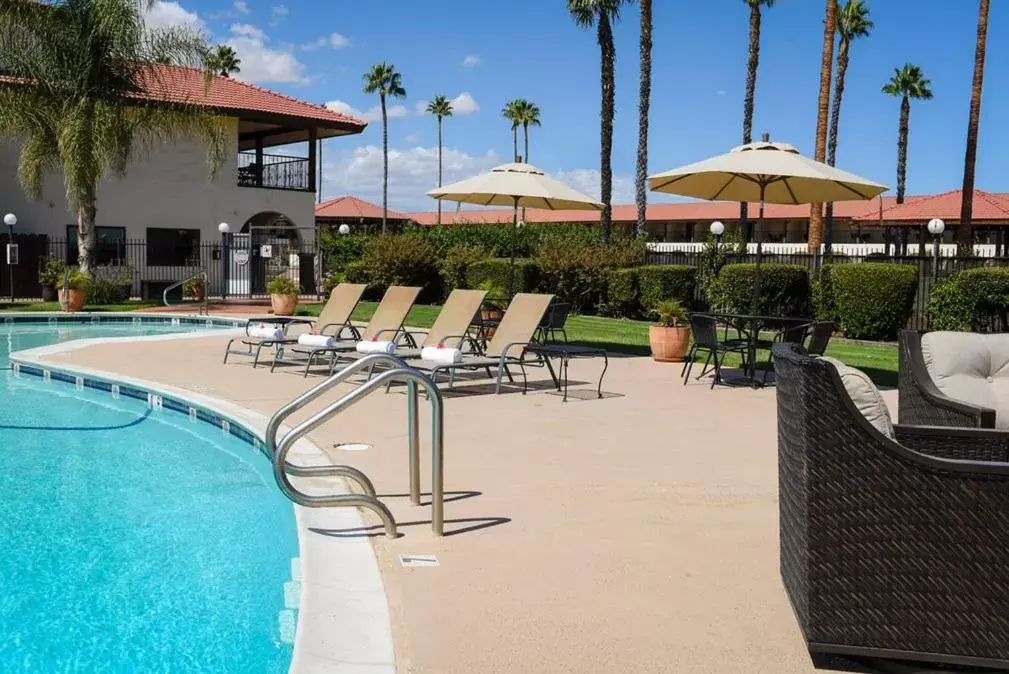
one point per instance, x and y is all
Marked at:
(637, 533)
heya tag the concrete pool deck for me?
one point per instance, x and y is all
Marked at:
(637, 533)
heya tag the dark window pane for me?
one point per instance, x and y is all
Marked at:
(172, 247)
(110, 245)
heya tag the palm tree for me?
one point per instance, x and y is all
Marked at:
(223, 60)
(382, 79)
(965, 232)
(441, 108)
(852, 22)
(823, 106)
(511, 113)
(528, 115)
(906, 84)
(602, 14)
(644, 99)
(83, 65)
(751, 89)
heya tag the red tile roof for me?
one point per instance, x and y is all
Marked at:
(352, 208)
(987, 207)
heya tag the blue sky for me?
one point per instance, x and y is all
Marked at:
(489, 53)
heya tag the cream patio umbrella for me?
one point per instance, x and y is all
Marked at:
(515, 185)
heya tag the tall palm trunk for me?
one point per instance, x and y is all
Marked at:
(439, 167)
(902, 133)
(515, 142)
(385, 166)
(607, 52)
(823, 108)
(525, 133)
(751, 88)
(835, 116)
(965, 232)
(86, 213)
(644, 101)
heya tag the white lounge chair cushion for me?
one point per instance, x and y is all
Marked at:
(865, 395)
(970, 367)
(375, 346)
(442, 355)
(266, 331)
(324, 341)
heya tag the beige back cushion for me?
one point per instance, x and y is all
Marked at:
(970, 367)
(865, 395)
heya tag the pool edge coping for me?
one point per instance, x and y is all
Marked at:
(373, 625)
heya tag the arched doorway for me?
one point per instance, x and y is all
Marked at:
(276, 248)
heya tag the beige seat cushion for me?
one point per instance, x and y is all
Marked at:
(970, 367)
(865, 395)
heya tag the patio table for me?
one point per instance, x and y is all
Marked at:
(566, 352)
(750, 325)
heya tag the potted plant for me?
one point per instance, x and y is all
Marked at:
(76, 293)
(51, 277)
(195, 288)
(283, 295)
(670, 337)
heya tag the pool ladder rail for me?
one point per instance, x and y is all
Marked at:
(202, 274)
(398, 371)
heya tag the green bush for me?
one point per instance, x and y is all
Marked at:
(340, 249)
(110, 284)
(454, 264)
(402, 260)
(357, 272)
(823, 296)
(51, 271)
(873, 300)
(784, 289)
(621, 294)
(495, 271)
(578, 274)
(658, 283)
(976, 300)
(282, 285)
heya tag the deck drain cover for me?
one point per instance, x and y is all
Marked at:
(418, 560)
(352, 446)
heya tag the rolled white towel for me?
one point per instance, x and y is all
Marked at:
(438, 354)
(266, 331)
(324, 341)
(376, 347)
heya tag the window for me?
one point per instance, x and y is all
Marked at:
(110, 245)
(172, 247)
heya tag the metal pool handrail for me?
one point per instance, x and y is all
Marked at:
(204, 310)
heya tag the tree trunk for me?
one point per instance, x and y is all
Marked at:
(608, 58)
(902, 134)
(835, 117)
(525, 133)
(644, 101)
(751, 89)
(965, 232)
(86, 235)
(385, 166)
(823, 107)
(515, 142)
(439, 168)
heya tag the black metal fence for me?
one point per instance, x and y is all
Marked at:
(928, 273)
(239, 266)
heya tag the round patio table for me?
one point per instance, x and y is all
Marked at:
(749, 326)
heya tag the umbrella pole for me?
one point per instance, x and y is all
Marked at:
(515, 236)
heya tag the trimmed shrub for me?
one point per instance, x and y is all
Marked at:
(455, 263)
(874, 300)
(578, 274)
(110, 284)
(403, 260)
(823, 296)
(340, 249)
(658, 283)
(784, 289)
(976, 300)
(494, 271)
(621, 294)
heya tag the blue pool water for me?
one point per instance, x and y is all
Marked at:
(133, 540)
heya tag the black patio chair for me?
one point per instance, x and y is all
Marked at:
(893, 549)
(705, 335)
(819, 337)
(553, 323)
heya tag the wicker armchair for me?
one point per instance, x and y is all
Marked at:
(894, 554)
(922, 404)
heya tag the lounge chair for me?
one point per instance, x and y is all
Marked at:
(511, 337)
(385, 325)
(451, 328)
(334, 319)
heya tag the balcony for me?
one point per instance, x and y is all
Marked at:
(276, 172)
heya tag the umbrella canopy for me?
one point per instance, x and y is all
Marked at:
(516, 185)
(769, 172)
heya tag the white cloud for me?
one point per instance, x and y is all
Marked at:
(280, 10)
(373, 114)
(471, 61)
(413, 138)
(334, 40)
(586, 181)
(242, 7)
(262, 63)
(173, 15)
(464, 104)
(412, 172)
(420, 107)
(338, 41)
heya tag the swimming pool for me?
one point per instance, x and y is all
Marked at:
(132, 538)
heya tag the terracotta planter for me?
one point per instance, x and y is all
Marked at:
(73, 300)
(669, 345)
(491, 314)
(284, 305)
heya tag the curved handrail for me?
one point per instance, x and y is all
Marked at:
(204, 310)
(407, 374)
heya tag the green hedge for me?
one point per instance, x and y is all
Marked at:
(622, 294)
(784, 289)
(976, 300)
(823, 296)
(658, 283)
(874, 300)
(403, 260)
(495, 271)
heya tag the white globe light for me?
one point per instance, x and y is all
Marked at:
(717, 228)
(224, 228)
(521, 224)
(10, 219)
(936, 226)
(344, 228)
